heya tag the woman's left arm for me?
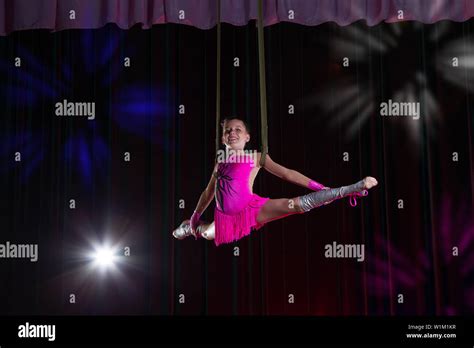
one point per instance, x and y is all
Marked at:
(291, 175)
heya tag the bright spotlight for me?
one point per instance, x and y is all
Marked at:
(104, 257)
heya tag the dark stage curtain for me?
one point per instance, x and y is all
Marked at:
(136, 169)
(334, 133)
(69, 14)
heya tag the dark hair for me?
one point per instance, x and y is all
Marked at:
(247, 128)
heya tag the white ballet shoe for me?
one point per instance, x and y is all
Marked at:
(183, 231)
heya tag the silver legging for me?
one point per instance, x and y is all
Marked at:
(318, 198)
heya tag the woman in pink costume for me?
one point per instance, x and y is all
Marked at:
(238, 209)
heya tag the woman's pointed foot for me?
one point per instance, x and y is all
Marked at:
(366, 184)
(183, 231)
(369, 182)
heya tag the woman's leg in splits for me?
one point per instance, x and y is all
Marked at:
(275, 209)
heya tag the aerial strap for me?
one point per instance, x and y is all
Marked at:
(218, 76)
(263, 90)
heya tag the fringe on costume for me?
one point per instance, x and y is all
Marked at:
(229, 228)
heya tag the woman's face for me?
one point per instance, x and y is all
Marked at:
(235, 135)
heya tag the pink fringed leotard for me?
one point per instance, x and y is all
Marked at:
(236, 206)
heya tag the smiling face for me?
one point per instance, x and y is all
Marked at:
(235, 135)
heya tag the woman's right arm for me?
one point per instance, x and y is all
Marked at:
(208, 194)
(204, 200)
